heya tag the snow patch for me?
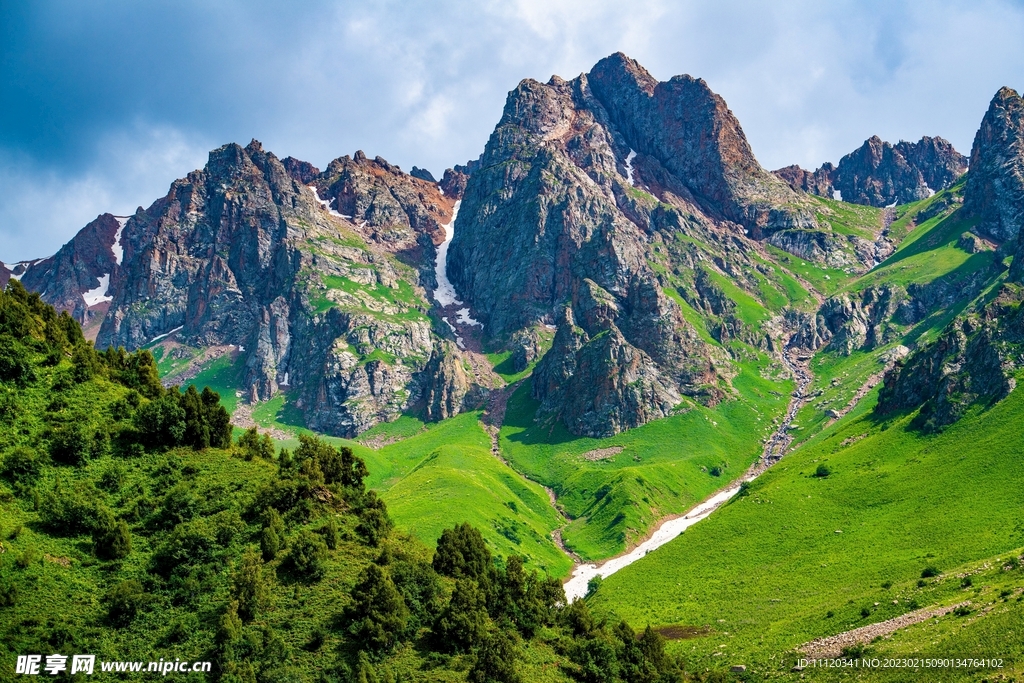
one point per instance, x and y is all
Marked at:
(931, 192)
(837, 195)
(161, 336)
(462, 317)
(445, 292)
(116, 246)
(98, 295)
(893, 205)
(629, 166)
(325, 203)
(576, 587)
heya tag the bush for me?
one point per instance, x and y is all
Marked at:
(22, 465)
(822, 471)
(306, 557)
(462, 625)
(8, 592)
(124, 601)
(70, 445)
(249, 587)
(253, 445)
(111, 537)
(929, 571)
(715, 471)
(498, 660)
(69, 511)
(374, 523)
(272, 536)
(962, 611)
(966, 582)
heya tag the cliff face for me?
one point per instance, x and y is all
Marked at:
(244, 255)
(995, 187)
(879, 174)
(77, 278)
(577, 184)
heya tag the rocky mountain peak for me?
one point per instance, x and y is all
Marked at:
(879, 174)
(995, 186)
(692, 133)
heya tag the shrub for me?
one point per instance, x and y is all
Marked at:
(70, 445)
(865, 612)
(8, 592)
(822, 471)
(498, 660)
(929, 571)
(462, 625)
(253, 445)
(594, 584)
(124, 601)
(330, 533)
(249, 587)
(966, 582)
(374, 523)
(69, 511)
(22, 465)
(272, 536)
(111, 537)
(716, 471)
(962, 611)
(306, 557)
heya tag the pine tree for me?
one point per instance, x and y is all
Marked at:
(272, 536)
(249, 586)
(378, 613)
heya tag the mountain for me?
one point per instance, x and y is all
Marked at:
(319, 294)
(881, 174)
(995, 186)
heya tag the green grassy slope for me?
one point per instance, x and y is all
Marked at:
(661, 468)
(800, 557)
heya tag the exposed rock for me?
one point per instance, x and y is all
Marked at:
(302, 171)
(879, 174)
(401, 213)
(525, 348)
(973, 360)
(76, 269)
(690, 131)
(847, 323)
(445, 385)
(973, 244)
(453, 183)
(817, 182)
(422, 174)
(995, 186)
(242, 254)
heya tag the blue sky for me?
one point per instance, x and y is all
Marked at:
(105, 103)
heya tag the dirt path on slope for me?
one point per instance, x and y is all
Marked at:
(832, 646)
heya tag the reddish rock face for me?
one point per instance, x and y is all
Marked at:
(76, 270)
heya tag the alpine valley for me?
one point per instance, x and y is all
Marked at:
(448, 397)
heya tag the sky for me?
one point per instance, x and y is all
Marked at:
(103, 104)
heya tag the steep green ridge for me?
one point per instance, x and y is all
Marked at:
(799, 556)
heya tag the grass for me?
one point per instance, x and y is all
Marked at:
(663, 467)
(223, 375)
(403, 298)
(447, 475)
(767, 570)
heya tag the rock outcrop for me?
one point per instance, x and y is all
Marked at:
(879, 174)
(995, 186)
(577, 185)
(327, 305)
(973, 361)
